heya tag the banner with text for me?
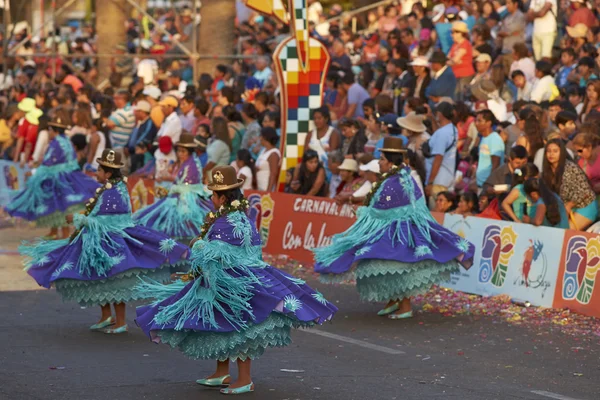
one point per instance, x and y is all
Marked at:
(292, 224)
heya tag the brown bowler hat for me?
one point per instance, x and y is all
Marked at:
(393, 144)
(186, 140)
(110, 159)
(224, 178)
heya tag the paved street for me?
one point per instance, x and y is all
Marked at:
(46, 352)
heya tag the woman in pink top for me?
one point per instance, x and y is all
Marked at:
(586, 146)
(388, 22)
(460, 58)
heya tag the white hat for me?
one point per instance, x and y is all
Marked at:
(152, 91)
(349, 164)
(142, 105)
(371, 166)
(438, 12)
(419, 62)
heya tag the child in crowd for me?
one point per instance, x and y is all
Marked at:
(484, 201)
(565, 122)
(523, 85)
(289, 176)
(516, 205)
(467, 205)
(548, 208)
(575, 96)
(244, 165)
(142, 149)
(165, 158)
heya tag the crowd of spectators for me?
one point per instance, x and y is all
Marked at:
(498, 104)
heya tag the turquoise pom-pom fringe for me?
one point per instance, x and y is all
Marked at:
(249, 343)
(114, 290)
(383, 280)
(175, 216)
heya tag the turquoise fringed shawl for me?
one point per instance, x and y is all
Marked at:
(36, 194)
(225, 278)
(373, 223)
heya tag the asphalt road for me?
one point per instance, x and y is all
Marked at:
(46, 352)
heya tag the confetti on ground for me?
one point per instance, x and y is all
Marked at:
(450, 303)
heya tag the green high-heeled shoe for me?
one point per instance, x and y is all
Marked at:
(244, 389)
(408, 314)
(388, 310)
(121, 329)
(214, 382)
(101, 325)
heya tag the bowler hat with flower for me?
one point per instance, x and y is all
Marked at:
(224, 178)
(110, 159)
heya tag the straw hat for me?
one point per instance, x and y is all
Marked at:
(483, 57)
(186, 140)
(349, 164)
(169, 101)
(110, 159)
(578, 31)
(393, 144)
(412, 122)
(224, 178)
(483, 90)
(460, 26)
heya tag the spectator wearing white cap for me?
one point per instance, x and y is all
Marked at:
(351, 181)
(482, 69)
(152, 94)
(371, 174)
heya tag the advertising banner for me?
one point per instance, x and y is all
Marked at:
(12, 180)
(519, 260)
(292, 224)
(577, 274)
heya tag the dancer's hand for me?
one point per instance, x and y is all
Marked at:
(69, 218)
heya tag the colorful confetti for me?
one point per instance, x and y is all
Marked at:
(450, 303)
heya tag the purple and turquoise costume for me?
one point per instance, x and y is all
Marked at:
(237, 306)
(181, 214)
(103, 262)
(57, 188)
(395, 249)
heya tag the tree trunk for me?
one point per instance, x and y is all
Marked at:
(110, 25)
(216, 32)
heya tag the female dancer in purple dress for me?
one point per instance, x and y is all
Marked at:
(231, 305)
(395, 249)
(182, 212)
(57, 188)
(102, 261)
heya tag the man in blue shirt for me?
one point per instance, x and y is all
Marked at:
(356, 96)
(389, 127)
(443, 82)
(491, 146)
(440, 165)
